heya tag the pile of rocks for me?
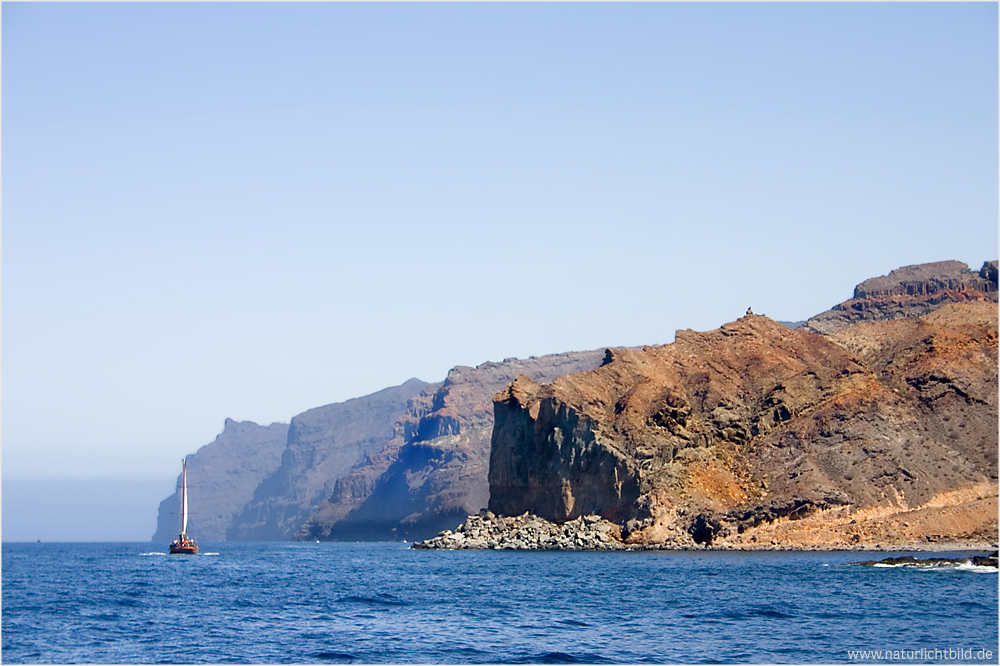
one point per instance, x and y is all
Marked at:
(528, 532)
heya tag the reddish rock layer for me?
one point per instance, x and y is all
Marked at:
(910, 291)
(734, 431)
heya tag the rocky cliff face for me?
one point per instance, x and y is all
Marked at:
(323, 444)
(434, 471)
(755, 435)
(910, 291)
(222, 478)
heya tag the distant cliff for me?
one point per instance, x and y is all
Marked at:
(323, 445)
(434, 471)
(222, 478)
(910, 291)
(261, 483)
(755, 435)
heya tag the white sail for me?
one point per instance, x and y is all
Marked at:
(183, 545)
(184, 499)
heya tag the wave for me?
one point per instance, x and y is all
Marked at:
(976, 568)
(957, 566)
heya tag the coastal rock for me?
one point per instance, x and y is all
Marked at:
(758, 436)
(910, 291)
(433, 472)
(990, 560)
(932, 562)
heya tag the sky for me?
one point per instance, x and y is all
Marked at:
(245, 211)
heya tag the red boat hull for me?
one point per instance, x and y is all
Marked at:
(186, 547)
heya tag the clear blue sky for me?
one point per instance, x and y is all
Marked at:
(249, 210)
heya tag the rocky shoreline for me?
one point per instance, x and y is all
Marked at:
(487, 531)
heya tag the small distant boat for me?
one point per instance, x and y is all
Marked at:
(184, 545)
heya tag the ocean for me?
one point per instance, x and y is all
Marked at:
(375, 603)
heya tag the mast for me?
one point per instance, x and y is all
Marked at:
(184, 499)
(183, 545)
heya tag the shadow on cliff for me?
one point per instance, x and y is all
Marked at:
(405, 503)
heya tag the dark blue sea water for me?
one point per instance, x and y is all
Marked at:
(386, 603)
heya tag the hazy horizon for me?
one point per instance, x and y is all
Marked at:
(81, 510)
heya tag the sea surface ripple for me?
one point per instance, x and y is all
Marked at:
(373, 603)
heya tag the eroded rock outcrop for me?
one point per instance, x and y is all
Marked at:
(910, 291)
(559, 466)
(433, 472)
(739, 436)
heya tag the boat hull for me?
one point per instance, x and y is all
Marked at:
(183, 548)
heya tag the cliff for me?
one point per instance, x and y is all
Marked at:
(222, 478)
(756, 435)
(434, 471)
(910, 291)
(323, 445)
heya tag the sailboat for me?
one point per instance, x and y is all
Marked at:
(183, 545)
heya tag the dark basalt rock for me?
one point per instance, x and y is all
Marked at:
(932, 562)
(794, 509)
(704, 528)
(551, 462)
(991, 559)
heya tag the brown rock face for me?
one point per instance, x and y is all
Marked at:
(724, 437)
(433, 473)
(910, 291)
